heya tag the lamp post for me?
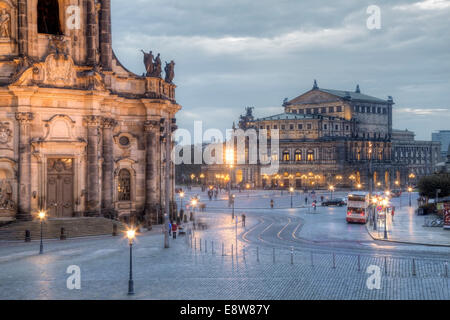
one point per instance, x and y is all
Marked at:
(131, 234)
(194, 204)
(385, 202)
(291, 190)
(331, 192)
(232, 204)
(41, 217)
(374, 204)
(409, 191)
(359, 186)
(181, 200)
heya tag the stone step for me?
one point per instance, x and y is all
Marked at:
(51, 228)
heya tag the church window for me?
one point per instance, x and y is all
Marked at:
(298, 155)
(124, 187)
(310, 155)
(286, 155)
(48, 17)
(124, 141)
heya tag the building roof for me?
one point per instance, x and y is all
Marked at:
(355, 95)
(294, 116)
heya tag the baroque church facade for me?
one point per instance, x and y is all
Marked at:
(333, 138)
(80, 135)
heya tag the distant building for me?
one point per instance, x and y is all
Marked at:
(442, 136)
(332, 137)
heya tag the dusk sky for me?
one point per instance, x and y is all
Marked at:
(237, 53)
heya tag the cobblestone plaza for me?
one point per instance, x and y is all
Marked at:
(282, 253)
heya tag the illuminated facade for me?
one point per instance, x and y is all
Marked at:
(335, 138)
(79, 133)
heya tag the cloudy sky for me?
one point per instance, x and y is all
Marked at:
(231, 54)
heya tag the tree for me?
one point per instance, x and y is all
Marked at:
(429, 184)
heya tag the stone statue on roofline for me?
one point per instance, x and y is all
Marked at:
(170, 71)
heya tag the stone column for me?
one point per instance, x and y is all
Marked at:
(91, 33)
(23, 27)
(24, 207)
(105, 35)
(92, 188)
(151, 128)
(108, 166)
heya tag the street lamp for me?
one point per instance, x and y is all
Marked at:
(291, 190)
(232, 203)
(385, 203)
(374, 204)
(181, 199)
(331, 192)
(194, 202)
(409, 190)
(359, 186)
(41, 216)
(131, 234)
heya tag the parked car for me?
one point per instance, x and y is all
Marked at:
(334, 202)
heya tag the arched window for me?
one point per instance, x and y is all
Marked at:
(298, 155)
(310, 155)
(124, 186)
(48, 17)
(286, 155)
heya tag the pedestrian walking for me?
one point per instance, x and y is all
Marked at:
(271, 203)
(243, 220)
(170, 228)
(174, 230)
(306, 200)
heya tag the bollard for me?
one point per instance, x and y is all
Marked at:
(232, 250)
(273, 253)
(114, 232)
(312, 260)
(334, 261)
(200, 244)
(446, 269)
(359, 262)
(385, 265)
(206, 246)
(27, 236)
(223, 250)
(190, 238)
(414, 267)
(195, 244)
(292, 255)
(257, 254)
(62, 235)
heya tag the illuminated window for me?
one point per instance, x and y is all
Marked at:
(124, 187)
(310, 155)
(286, 155)
(298, 155)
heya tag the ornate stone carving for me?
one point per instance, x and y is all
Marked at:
(150, 125)
(24, 117)
(5, 24)
(59, 71)
(93, 121)
(58, 46)
(5, 133)
(170, 71)
(6, 201)
(108, 123)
